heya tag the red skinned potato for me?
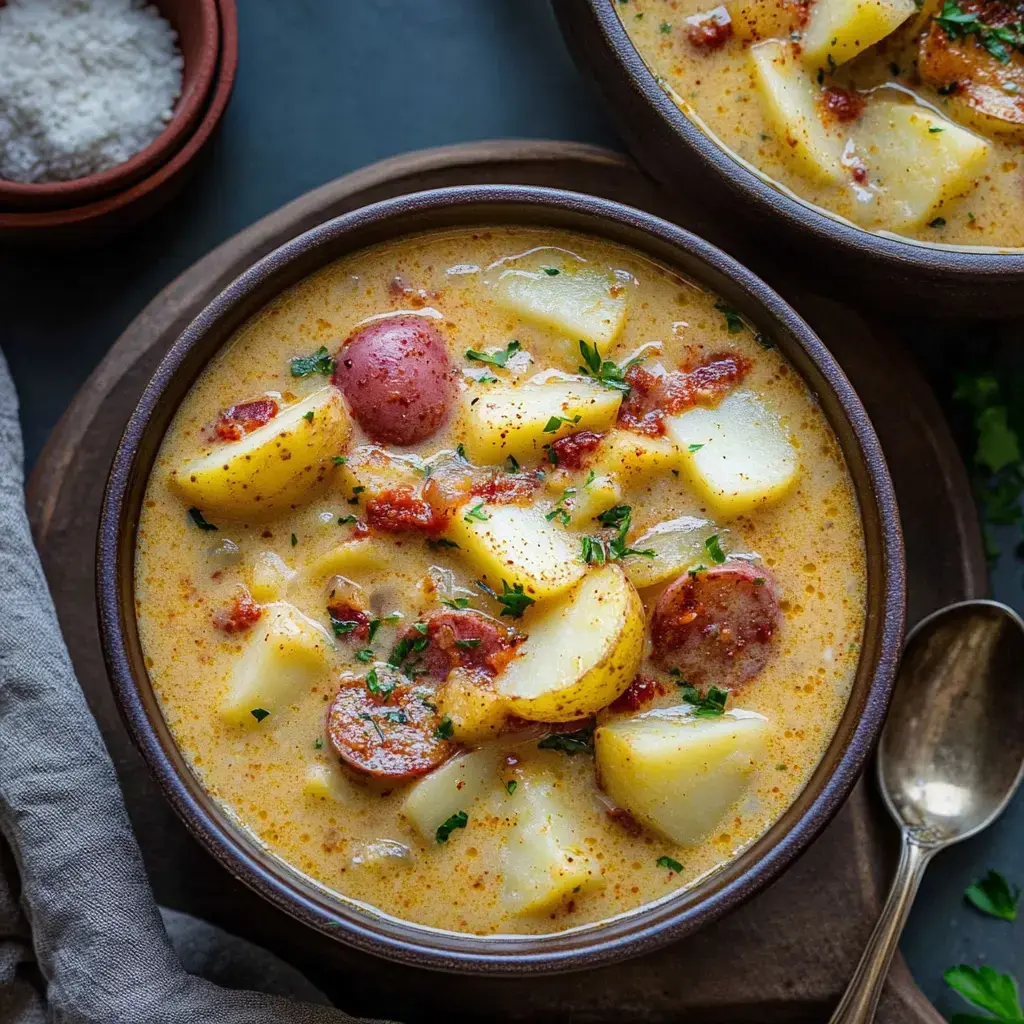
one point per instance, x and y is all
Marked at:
(397, 378)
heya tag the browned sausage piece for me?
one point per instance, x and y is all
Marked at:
(387, 727)
(449, 639)
(397, 378)
(716, 625)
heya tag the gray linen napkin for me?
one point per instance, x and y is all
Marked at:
(81, 938)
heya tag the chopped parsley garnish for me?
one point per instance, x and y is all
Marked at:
(343, 626)
(445, 730)
(468, 644)
(318, 744)
(551, 271)
(458, 602)
(511, 464)
(998, 40)
(598, 550)
(476, 512)
(460, 450)
(935, 129)
(987, 989)
(591, 477)
(512, 599)
(259, 713)
(374, 686)
(993, 895)
(356, 491)
(696, 571)
(308, 416)
(664, 28)
(346, 520)
(552, 455)
(708, 705)
(510, 786)
(375, 623)
(714, 549)
(458, 820)
(295, 540)
(556, 422)
(668, 862)
(733, 321)
(440, 543)
(339, 460)
(321, 361)
(487, 379)
(560, 512)
(373, 721)
(499, 358)
(938, 222)
(408, 645)
(605, 372)
(197, 517)
(694, 447)
(398, 717)
(579, 742)
(947, 90)
(366, 654)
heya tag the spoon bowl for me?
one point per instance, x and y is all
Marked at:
(952, 752)
(950, 759)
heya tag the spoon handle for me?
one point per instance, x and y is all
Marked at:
(860, 1000)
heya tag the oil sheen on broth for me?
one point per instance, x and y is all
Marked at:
(451, 633)
(902, 116)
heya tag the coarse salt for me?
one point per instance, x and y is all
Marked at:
(84, 85)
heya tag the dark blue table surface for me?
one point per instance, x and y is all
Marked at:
(327, 86)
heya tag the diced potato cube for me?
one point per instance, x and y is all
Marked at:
(279, 465)
(543, 859)
(679, 775)
(590, 500)
(678, 545)
(270, 577)
(635, 458)
(476, 709)
(574, 298)
(580, 652)
(744, 460)
(285, 653)
(365, 554)
(840, 29)
(517, 544)
(375, 470)
(325, 782)
(520, 421)
(791, 101)
(919, 168)
(452, 788)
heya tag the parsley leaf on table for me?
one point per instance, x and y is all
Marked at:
(993, 895)
(987, 989)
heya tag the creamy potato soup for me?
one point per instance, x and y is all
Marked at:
(902, 116)
(503, 581)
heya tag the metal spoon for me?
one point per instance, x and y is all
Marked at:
(950, 759)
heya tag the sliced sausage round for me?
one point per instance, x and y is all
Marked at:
(397, 378)
(716, 625)
(387, 727)
(452, 639)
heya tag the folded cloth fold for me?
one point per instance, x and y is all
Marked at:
(81, 938)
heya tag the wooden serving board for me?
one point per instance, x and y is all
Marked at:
(783, 957)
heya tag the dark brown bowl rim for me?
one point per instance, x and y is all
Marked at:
(653, 925)
(28, 223)
(802, 216)
(187, 112)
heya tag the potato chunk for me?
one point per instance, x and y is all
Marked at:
(284, 654)
(270, 577)
(325, 782)
(677, 774)
(678, 545)
(543, 859)
(917, 168)
(517, 544)
(744, 460)
(279, 465)
(519, 421)
(477, 711)
(635, 458)
(574, 298)
(364, 554)
(840, 29)
(580, 653)
(451, 788)
(791, 101)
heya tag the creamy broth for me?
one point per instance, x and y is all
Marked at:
(274, 767)
(917, 135)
